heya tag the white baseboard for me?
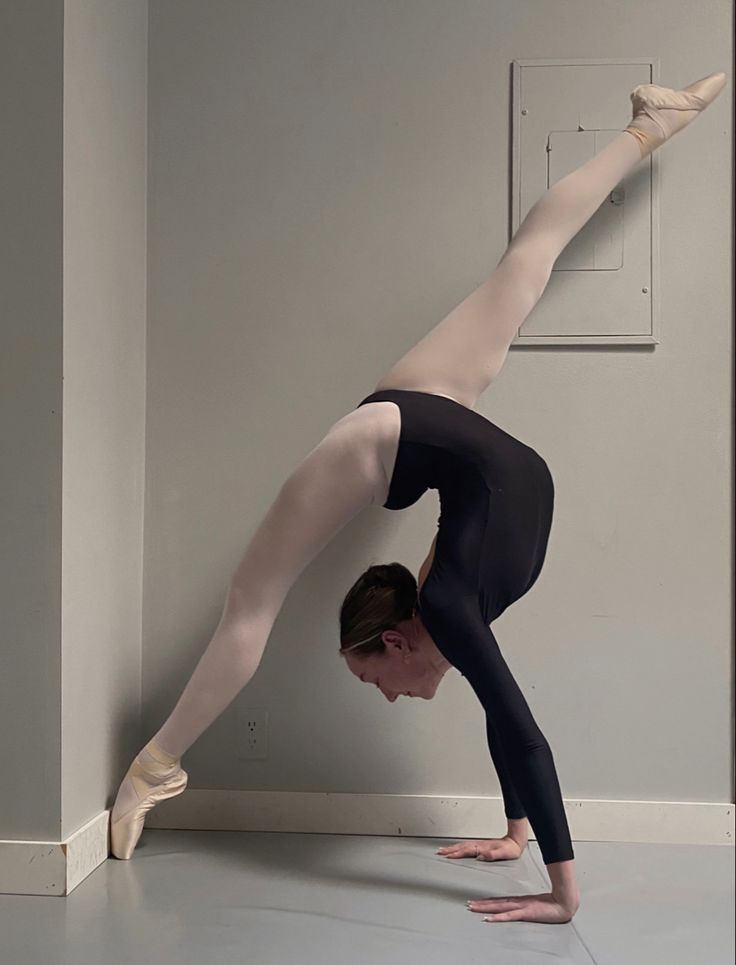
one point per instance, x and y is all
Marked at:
(51, 868)
(433, 816)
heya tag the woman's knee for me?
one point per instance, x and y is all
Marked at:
(250, 605)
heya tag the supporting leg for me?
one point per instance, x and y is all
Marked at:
(311, 507)
(156, 774)
(227, 665)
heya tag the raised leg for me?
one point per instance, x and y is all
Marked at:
(462, 354)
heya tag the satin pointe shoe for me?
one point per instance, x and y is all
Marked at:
(660, 112)
(153, 777)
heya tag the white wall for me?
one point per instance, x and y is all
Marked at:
(105, 82)
(327, 180)
(72, 407)
(31, 281)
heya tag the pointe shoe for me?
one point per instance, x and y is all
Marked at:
(660, 112)
(127, 828)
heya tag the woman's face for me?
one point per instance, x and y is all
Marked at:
(410, 666)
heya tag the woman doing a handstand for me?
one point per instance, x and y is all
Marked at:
(417, 431)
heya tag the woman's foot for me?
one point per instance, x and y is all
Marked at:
(660, 112)
(153, 776)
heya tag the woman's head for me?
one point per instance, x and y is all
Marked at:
(382, 637)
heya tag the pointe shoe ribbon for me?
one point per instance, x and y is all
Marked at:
(127, 828)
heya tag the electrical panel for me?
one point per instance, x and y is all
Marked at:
(603, 287)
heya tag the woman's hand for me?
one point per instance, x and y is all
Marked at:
(545, 908)
(495, 849)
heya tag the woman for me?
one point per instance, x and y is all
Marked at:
(416, 431)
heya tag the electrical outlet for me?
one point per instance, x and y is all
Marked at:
(252, 733)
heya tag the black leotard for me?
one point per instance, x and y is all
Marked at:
(496, 499)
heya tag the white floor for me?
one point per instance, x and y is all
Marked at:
(221, 898)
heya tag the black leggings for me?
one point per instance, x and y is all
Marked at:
(496, 498)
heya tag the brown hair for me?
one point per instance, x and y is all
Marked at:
(380, 598)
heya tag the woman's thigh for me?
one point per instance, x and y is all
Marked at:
(331, 485)
(464, 352)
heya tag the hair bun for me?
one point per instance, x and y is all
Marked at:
(393, 575)
(383, 596)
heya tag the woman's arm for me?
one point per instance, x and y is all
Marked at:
(458, 628)
(518, 828)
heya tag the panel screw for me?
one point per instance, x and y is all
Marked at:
(524, 110)
(645, 290)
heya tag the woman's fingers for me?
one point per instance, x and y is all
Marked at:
(493, 849)
(454, 851)
(542, 908)
(497, 904)
(464, 849)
